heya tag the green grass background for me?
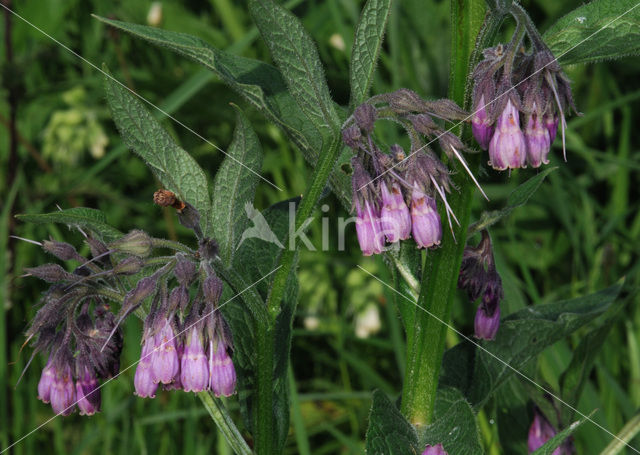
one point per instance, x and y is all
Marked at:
(579, 233)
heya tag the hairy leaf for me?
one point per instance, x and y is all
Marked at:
(261, 84)
(521, 337)
(173, 166)
(234, 188)
(78, 217)
(366, 47)
(389, 433)
(297, 57)
(517, 198)
(599, 30)
(454, 425)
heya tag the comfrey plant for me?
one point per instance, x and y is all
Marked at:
(513, 98)
(186, 342)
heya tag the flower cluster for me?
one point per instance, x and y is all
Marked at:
(513, 88)
(394, 194)
(478, 275)
(186, 342)
(186, 350)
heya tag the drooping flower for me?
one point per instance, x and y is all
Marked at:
(487, 318)
(46, 382)
(88, 393)
(164, 359)
(222, 373)
(395, 219)
(63, 393)
(143, 381)
(540, 432)
(425, 220)
(194, 372)
(508, 148)
(538, 142)
(481, 125)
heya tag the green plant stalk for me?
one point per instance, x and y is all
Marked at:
(440, 273)
(263, 418)
(225, 424)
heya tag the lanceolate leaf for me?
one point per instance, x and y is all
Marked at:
(389, 433)
(454, 425)
(261, 84)
(599, 30)
(521, 337)
(297, 57)
(517, 198)
(234, 187)
(173, 166)
(366, 48)
(79, 217)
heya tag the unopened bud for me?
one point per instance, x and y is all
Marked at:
(143, 289)
(166, 198)
(51, 273)
(129, 266)
(189, 217)
(136, 243)
(185, 271)
(365, 116)
(61, 250)
(212, 289)
(351, 136)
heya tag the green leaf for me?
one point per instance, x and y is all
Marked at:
(366, 47)
(78, 217)
(577, 373)
(234, 188)
(173, 166)
(559, 438)
(599, 30)
(454, 425)
(389, 433)
(517, 198)
(521, 337)
(297, 57)
(260, 84)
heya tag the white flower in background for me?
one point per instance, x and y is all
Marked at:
(154, 16)
(368, 321)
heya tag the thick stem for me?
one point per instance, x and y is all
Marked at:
(263, 418)
(440, 274)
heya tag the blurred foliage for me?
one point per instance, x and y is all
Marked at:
(579, 233)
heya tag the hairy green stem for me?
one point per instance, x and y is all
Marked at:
(440, 273)
(263, 418)
(164, 243)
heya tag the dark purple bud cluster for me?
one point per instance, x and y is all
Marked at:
(519, 99)
(186, 344)
(394, 194)
(479, 277)
(541, 431)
